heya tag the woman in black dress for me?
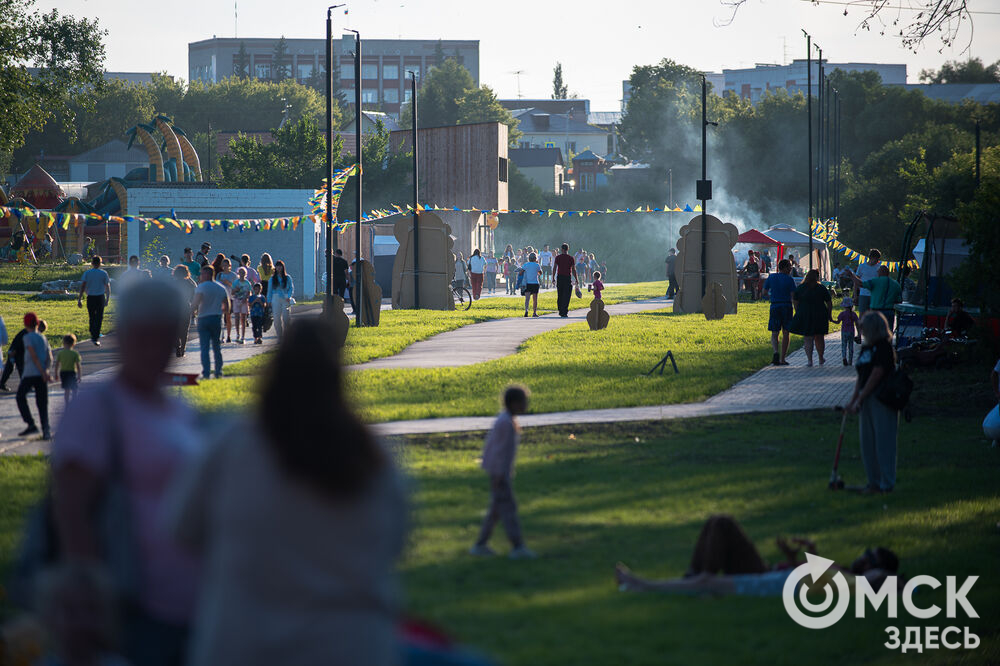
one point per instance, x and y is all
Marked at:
(813, 307)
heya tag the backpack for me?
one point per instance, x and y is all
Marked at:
(895, 390)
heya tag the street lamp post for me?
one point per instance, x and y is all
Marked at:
(809, 123)
(358, 271)
(416, 193)
(704, 186)
(331, 241)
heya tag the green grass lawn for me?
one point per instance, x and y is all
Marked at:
(638, 493)
(398, 329)
(569, 368)
(62, 316)
(29, 277)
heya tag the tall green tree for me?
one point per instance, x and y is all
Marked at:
(69, 55)
(295, 159)
(559, 89)
(969, 71)
(280, 69)
(438, 54)
(241, 62)
(480, 105)
(440, 92)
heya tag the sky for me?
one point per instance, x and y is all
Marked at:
(597, 42)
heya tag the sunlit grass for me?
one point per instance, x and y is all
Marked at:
(398, 329)
(62, 316)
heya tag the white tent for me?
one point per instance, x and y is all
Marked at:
(796, 242)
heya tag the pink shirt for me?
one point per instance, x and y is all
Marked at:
(848, 320)
(598, 287)
(156, 441)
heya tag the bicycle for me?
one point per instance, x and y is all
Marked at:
(462, 296)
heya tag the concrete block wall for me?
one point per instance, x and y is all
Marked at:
(301, 249)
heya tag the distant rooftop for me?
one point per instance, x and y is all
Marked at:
(535, 157)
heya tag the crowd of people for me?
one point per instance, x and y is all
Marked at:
(485, 271)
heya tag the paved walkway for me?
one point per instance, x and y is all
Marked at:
(773, 389)
(491, 340)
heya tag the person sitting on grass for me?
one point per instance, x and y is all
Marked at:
(498, 462)
(725, 562)
(70, 371)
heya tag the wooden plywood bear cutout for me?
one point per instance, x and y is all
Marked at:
(598, 317)
(437, 264)
(371, 294)
(721, 269)
(714, 303)
(339, 320)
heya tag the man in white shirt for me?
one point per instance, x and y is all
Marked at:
(96, 285)
(545, 260)
(211, 301)
(867, 271)
(37, 361)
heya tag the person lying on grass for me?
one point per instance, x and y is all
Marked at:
(725, 562)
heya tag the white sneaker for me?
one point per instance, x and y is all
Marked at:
(482, 551)
(522, 553)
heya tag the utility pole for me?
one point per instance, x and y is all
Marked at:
(836, 166)
(704, 186)
(809, 123)
(358, 271)
(416, 193)
(819, 144)
(979, 154)
(331, 241)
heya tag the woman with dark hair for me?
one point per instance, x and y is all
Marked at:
(726, 562)
(813, 307)
(878, 423)
(299, 523)
(280, 297)
(217, 264)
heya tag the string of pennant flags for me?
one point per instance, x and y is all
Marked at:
(829, 230)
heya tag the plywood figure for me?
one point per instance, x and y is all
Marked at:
(371, 294)
(598, 317)
(341, 323)
(714, 304)
(721, 269)
(437, 264)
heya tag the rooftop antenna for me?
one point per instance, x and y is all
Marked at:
(517, 74)
(236, 17)
(784, 50)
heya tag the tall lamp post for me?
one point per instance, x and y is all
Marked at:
(331, 241)
(809, 123)
(704, 186)
(358, 271)
(416, 193)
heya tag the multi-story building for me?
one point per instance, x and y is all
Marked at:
(384, 63)
(570, 132)
(753, 83)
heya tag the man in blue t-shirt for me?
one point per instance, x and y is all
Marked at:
(779, 287)
(96, 285)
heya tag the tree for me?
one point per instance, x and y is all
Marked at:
(69, 56)
(969, 71)
(559, 89)
(241, 62)
(941, 18)
(280, 69)
(480, 105)
(438, 54)
(440, 92)
(659, 120)
(295, 159)
(980, 224)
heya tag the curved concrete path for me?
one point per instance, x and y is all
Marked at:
(490, 340)
(772, 389)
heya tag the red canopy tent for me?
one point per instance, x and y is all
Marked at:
(757, 238)
(39, 189)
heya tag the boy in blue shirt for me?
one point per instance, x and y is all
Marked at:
(779, 287)
(257, 306)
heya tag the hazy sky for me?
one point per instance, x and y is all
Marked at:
(598, 42)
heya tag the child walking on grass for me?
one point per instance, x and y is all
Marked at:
(498, 462)
(850, 326)
(70, 370)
